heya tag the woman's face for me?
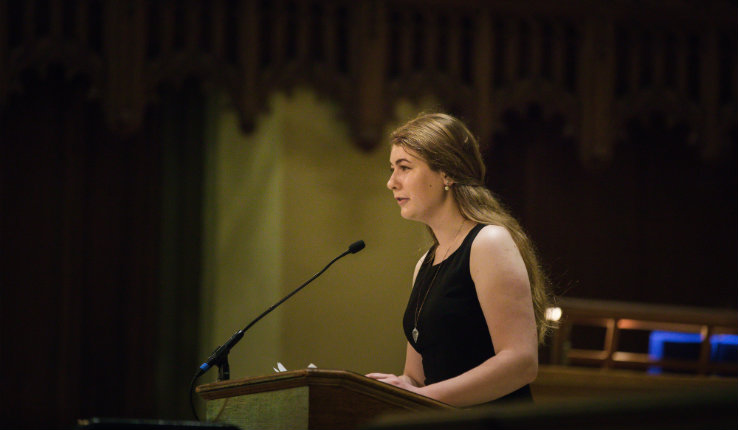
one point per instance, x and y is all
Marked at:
(416, 188)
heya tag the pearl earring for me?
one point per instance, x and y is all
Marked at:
(445, 187)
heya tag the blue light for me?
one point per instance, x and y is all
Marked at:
(686, 346)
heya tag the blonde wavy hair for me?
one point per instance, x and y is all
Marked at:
(447, 146)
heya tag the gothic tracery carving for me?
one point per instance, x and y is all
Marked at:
(596, 64)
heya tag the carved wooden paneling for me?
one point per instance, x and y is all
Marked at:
(596, 64)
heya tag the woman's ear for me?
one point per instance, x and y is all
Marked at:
(446, 180)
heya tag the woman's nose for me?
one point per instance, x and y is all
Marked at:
(391, 182)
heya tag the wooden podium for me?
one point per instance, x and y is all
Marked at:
(307, 399)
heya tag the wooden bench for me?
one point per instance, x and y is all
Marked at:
(617, 317)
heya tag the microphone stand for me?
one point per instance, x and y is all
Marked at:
(219, 357)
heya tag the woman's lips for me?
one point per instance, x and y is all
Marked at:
(401, 200)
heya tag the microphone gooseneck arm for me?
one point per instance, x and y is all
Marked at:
(219, 357)
(349, 251)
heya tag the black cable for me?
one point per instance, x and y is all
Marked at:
(192, 400)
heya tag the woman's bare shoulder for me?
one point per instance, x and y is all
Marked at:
(493, 238)
(495, 244)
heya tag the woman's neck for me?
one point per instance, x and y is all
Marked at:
(448, 228)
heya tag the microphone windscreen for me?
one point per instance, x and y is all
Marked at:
(356, 246)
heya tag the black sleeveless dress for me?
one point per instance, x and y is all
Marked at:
(453, 334)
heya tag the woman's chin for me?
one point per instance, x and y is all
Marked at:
(408, 215)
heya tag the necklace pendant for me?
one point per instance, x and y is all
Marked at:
(416, 333)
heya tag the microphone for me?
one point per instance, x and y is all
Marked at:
(219, 357)
(356, 246)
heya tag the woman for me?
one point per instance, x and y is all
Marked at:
(476, 311)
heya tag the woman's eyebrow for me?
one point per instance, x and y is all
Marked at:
(400, 161)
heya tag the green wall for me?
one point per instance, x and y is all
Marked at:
(281, 202)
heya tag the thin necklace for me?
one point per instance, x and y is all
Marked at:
(419, 306)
